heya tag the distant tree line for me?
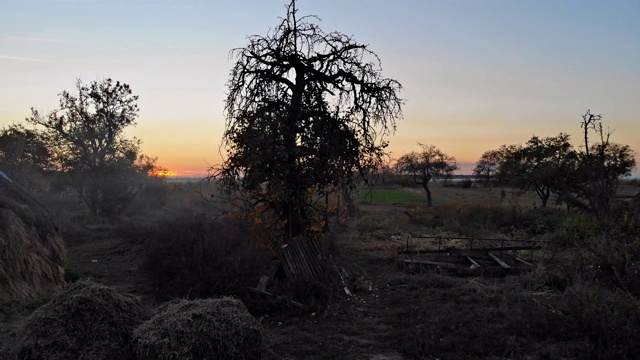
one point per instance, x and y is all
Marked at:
(584, 177)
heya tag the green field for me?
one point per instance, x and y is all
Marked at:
(390, 196)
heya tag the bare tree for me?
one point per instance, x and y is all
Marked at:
(305, 111)
(601, 165)
(430, 163)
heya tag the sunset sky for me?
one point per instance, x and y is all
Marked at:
(476, 74)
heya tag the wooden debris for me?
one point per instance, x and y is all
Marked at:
(487, 261)
(266, 293)
(303, 256)
(524, 262)
(473, 262)
(499, 261)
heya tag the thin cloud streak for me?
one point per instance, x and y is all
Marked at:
(20, 58)
(28, 38)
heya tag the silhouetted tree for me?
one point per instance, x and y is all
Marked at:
(430, 163)
(543, 165)
(25, 156)
(305, 111)
(488, 167)
(87, 137)
(601, 166)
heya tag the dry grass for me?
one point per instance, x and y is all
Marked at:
(32, 253)
(200, 329)
(86, 321)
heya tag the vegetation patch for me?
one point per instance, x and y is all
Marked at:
(85, 321)
(32, 253)
(200, 329)
(389, 196)
(197, 257)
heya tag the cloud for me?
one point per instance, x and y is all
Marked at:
(36, 39)
(20, 58)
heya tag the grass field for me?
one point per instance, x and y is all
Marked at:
(568, 306)
(447, 194)
(390, 196)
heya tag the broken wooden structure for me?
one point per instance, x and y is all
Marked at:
(299, 257)
(490, 260)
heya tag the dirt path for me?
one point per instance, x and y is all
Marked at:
(113, 257)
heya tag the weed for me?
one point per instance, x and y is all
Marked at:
(609, 319)
(74, 274)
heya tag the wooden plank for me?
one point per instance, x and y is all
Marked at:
(524, 262)
(293, 257)
(262, 283)
(473, 261)
(304, 262)
(418, 252)
(316, 248)
(505, 248)
(465, 252)
(292, 302)
(499, 261)
(287, 262)
(312, 255)
(509, 248)
(259, 291)
(315, 252)
(433, 263)
(304, 259)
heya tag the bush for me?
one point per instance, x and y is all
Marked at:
(198, 257)
(609, 319)
(479, 220)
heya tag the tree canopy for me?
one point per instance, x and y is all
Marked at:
(86, 138)
(25, 156)
(305, 111)
(542, 165)
(430, 163)
(585, 177)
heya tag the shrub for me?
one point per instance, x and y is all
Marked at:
(610, 319)
(198, 257)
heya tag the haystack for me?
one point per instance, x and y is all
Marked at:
(32, 253)
(85, 321)
(200, 329)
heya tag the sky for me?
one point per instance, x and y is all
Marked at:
(476, 74)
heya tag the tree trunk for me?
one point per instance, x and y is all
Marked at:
(425, 185)
(543, 192)
(296, 219)
(93, 200)
(346, 196)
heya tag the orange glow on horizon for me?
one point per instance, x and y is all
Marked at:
(163, 173)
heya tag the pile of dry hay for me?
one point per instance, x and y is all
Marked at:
(85, 321)
(200, 329)
(32, 253)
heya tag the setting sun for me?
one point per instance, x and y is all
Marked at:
(163, 173)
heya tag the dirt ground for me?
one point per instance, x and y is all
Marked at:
(390, 315)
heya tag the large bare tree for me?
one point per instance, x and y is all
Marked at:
(305, 111)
